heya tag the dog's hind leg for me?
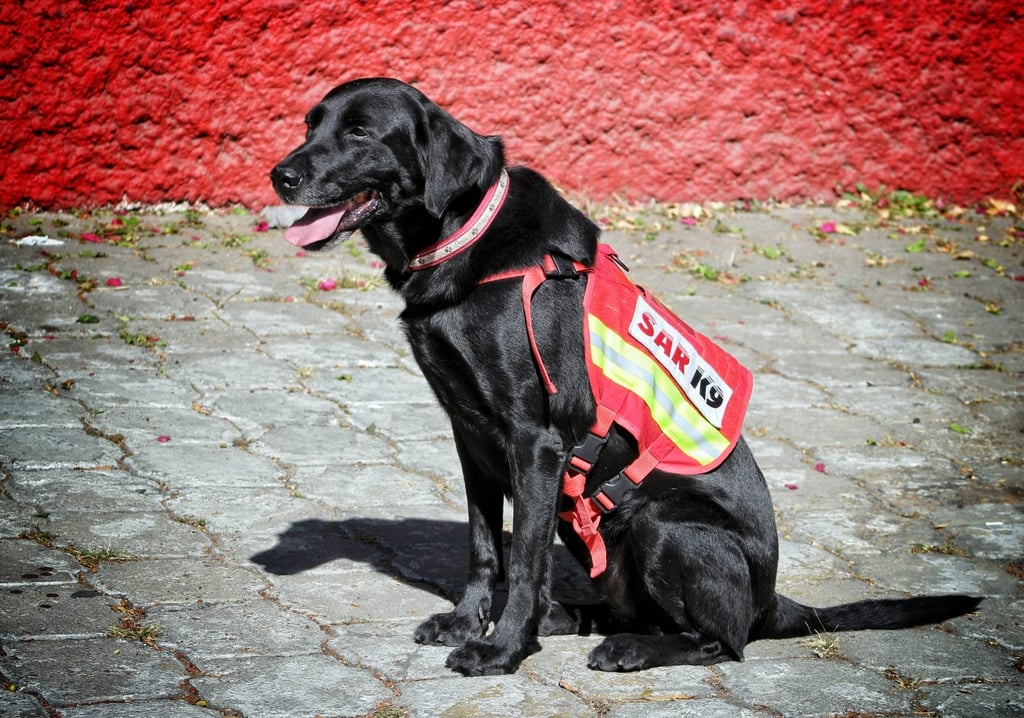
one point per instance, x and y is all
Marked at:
(694, 587)
(557, 619)
(635, 652)
(561, 619)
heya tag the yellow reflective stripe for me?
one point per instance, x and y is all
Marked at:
(632, 369)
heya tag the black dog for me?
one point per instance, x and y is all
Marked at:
(691, 560)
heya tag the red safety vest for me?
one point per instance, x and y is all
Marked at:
(680, 395)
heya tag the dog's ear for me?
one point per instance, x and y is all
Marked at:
(456, 159)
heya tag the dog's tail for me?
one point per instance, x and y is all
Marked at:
(790, 619)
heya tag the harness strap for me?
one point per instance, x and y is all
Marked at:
(552, 266)
(584, 514)
(610, 494)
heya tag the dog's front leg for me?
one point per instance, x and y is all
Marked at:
(472, 615)
(535, 466)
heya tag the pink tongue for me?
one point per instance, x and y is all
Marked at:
(315, 225)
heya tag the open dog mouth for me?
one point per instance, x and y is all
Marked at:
(324, 227)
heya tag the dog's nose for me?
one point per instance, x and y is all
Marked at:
(285, 177)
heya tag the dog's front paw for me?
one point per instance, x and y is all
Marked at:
(485, 658)
(626, 652)
(449, 629)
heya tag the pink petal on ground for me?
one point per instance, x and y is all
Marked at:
(114, 282)
(791, 486)
(163, 439)
(326, 285)
(819, 467)
(828, 227)
(90, 237)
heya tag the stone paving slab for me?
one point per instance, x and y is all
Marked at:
(48, 612)
(90, 670)
(250, 474)
(278, 687)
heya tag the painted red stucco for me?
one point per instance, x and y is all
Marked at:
(672, 100)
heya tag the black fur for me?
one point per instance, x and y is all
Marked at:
(691, 560)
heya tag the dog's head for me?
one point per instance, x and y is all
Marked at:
(378, 152)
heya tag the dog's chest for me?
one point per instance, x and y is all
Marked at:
(453, 364)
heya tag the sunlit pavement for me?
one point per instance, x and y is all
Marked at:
(226, 490)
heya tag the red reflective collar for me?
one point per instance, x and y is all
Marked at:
(464, 237)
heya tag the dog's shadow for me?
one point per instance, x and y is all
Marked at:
(426, 553)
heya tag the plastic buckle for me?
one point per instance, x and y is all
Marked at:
(614, 490)
(563, 267)
(590, 448)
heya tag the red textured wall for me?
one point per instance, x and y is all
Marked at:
(687, 100)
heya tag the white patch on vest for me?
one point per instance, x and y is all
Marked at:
(698, 379)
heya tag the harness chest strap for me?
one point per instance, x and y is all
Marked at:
(551, 267)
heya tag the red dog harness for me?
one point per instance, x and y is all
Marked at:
(680, 396)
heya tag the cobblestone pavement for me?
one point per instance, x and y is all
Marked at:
(226, 490)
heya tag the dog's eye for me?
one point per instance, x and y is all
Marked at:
(357, 132)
